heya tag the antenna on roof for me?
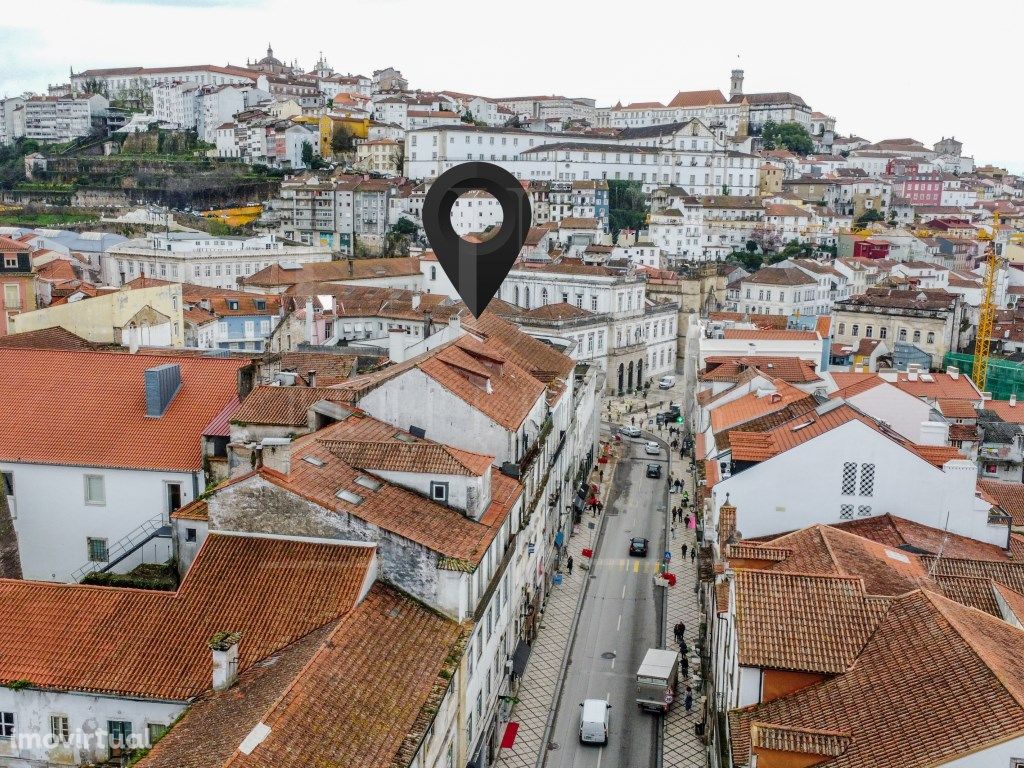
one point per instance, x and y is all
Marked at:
(942, 546)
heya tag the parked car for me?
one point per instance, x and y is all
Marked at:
(629, 431)
(638, 547)
(666, 382)
(654, 470)
(652, 448)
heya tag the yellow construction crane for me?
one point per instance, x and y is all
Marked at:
(987, 314)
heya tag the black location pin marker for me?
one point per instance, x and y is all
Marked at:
(476, 269)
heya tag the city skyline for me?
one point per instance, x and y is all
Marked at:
(909, 102)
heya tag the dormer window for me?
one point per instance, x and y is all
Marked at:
(10, 262)
(261, 304)
(232, 304)
(439, 492)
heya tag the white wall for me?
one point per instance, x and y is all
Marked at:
(53, 521)
(86, 714)
(903, 412)
(1000, 756)
(805, 487)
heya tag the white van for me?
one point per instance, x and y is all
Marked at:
(666, 382)
(594, 721)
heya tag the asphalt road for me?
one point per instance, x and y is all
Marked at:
(618, 623)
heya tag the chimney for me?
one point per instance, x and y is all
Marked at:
(396, 345)
(276, 454)
(162, 384)
(1013, 400)
(311, 378)
(953, 371)
(309, 320)
(912, 372)
(415, 301)
(224, 647)
(351, 268)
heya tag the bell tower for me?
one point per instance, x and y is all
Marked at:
(736, 84)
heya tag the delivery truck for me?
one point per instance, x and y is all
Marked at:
(656, 679)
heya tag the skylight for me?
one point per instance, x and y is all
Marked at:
(313, 460)
(351, 498)
(369, 482)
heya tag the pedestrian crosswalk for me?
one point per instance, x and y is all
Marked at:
(628, 564)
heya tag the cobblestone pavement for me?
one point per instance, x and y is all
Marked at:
(537, 689)
(681, 746)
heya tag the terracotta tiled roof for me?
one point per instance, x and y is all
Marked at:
(764, 322)
(7, 245)
(154, 644)
(560, 311)
(803, 622)
(46, 338)
(331, 368)
(42, 424)
(390, 507)
(386, 663)
(770, 335)
(697, 98)
(410, 457)
(899, 532)
(964, 433)
(1011, 414)
(803, 741)
(285, 406)
(1009, 496)
(345, 269)
(760, 446)
(784, 276)
(942, 387)
(541, 360)
(957, 409)
(928, 660)
(196, 510)
(793, 370)
(754, 405)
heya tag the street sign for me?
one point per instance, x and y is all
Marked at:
(668, 556)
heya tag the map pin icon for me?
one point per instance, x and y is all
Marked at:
(476, 269)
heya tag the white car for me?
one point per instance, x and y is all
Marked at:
(594, 721)
(629, 431)
(651, 448)
(666, 382)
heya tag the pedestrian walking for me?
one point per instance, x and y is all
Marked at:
(684, 552)
(693, 554)
(688, 700)
(679, 630)
(600, 506)
(632, 420)
(568, 564)
(686, 521)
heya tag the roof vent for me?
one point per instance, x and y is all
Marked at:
(162, 384)
(419, 432)
(351, 498)
(511, 469)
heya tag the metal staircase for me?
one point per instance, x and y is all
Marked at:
(154, 528)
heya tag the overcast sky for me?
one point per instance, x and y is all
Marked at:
(883, 69)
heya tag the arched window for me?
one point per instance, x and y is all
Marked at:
(526, 303)
(544, 296)
(917, 336)
(856, 330)
(903, 334)
(433, 273)
(516, 294)
(931, 337)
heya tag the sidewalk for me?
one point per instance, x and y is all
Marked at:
(682, 748)
(537, 689)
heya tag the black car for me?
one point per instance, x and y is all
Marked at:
(654, 470)
(638, 547)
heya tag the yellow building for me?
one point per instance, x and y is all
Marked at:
(770, 181)
(142, 317)
(358, 127)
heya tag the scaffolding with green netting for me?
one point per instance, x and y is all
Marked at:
(1005, 377)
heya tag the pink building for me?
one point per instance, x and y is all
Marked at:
(18, 292)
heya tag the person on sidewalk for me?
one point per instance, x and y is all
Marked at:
(684, 554)
(679, 630)
(688, 701)
(693, 554)
(568, 563)
(686, 520)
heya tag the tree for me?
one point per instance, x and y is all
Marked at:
(405, 227)
(627, 205)
(342, 139)
(750, 260)
(870, 215)
(307, 155)
(791, 136)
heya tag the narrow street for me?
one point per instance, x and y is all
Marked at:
(619, 621)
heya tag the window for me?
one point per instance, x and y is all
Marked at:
(917, 336)
(95, 493)
(883, 332)
(842, 329)
(120, 734)
(97, 550)
(867, 479)
(864, 511)
(846, 512)
(59, 729)
(173, 496)
(12, 296)
(8, 483)
(190, 534)
(855, 331)
(849, 478)
(439, 492)
(6, 726)
(931, 337)
(155, 732)
(593, 303)
(11, 262)
(869, 331)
